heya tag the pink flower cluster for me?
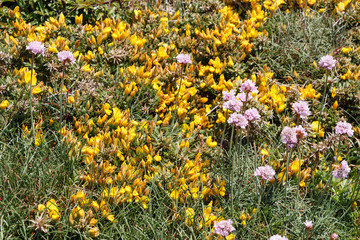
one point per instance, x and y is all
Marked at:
(36, 47)
(244, 97)
(252, 114)
(308, 224)
(278, 237)
(301, 108)
(249, 87)
(238, 120)
(290, 135)
(233, 105)
(344, 128)
(266, 172)
(224, 227)
(342, 171)
(228, 95)
(334, 236)
(66, 56)
(327, 62)
(184, 59)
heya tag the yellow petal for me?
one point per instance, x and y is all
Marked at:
(36, 90)
(4, 104)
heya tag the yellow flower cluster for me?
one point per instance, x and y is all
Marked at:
(51, 208)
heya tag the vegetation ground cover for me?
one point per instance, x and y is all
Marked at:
(152, 119)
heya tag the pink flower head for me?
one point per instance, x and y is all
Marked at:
(327, 62)
(238, 120)
(300, 132)
(244, 97)
(344, 128)
(66, 56)
(36, 47)
(342, 171)
(278, 237)
(183, 59)
(308, 224)
(289, 136)
(334, 236)
(252, 114)
(301, 108)
(233, 105)
(228, 95)
(224, 227)
(249, 86)
(266, 172)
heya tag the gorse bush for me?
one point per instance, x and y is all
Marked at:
(179, 120)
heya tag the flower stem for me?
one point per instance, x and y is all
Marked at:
(223, 133)
(177, 96)
(232, 185)
(288, 157)
(262, 188)
(31, 111)
(62, 76)
(323, 102)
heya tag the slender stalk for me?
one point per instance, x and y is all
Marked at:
(234, 161)
(240, 144)
(223, 133)
(31, 80)
(299, 180)
(246, 100)
(232, 185)
(232, 172)
(231, 138)
(307, 234)
(262, 188)
(177, 96)
(323, 102)
(288, 157)
(62, 76)
(287, 168)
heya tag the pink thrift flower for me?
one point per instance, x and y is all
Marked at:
(308, 224)
(327, 62)
(278, 237)
(289, 136)
(36, 47)
(66, 56)
(249, 86)
(300, 132)
(334, 236)
(266, 172)
(301, 108)
(183, 59)
(342, 171)
(344, 128)
(238, 120)
(244, 97)
(233, 105)
(224, 227)
(252, 114)
(228, 95)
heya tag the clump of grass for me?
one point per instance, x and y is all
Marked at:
(295, 41)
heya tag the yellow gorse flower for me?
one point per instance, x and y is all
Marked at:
(4, 104)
